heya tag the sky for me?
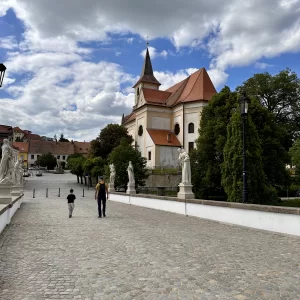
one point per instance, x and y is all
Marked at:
(71, 64)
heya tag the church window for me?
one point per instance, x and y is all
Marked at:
(149, 155)
(176, 129)
(191, 128)
(138, 91)
(191, 146)
(140, 132)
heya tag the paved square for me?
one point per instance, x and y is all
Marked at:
(136, 253)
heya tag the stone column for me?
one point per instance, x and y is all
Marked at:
(185, 191)
(131, 189)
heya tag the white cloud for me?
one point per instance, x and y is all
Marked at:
(153, 52)
(57, 72)
(262, 65)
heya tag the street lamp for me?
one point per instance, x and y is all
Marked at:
(2, 72)
(244, 100)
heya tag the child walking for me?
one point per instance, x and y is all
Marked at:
(71, 198)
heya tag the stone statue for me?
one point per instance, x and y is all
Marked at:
(130, 174)
(59, 167)
(7, 163)
(112, 175)
(185, 165)
(18, 172)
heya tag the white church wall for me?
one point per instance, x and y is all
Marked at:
(177, 119)
(190, 117)
(150, 147)
(168, 156)
(140, 140)
(160, 123)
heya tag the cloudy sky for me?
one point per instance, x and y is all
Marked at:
(71, 63)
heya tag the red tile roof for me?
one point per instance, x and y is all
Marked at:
(43, 147)
(82, 147)
(163, 137)
(17, 129)
(31, 136)
(6, 129)
(21, 146)
(129, 118)
(155, 96)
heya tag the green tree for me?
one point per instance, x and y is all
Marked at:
(62, 138)
(47, 160)
(94, 167)
(75, 164)
(280, 95)
(108, 139)
(206, 160)
(295, 153)
(259, 190)
(120, 157)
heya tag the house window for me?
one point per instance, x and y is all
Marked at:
(140, 132)
(32, 156)
(191, 146)
(58, 156)
(176, 129)
(64, 157)
(191, 128)
(37, 156)
(149, 155)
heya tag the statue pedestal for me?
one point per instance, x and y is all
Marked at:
(185, 191)
(111, 188)
(5, 194)
(131, 189)
(16, 190)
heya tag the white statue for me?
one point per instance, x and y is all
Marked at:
(18, 172)
(6, 164)
(185, 165)
(112, 175)
(130, 174)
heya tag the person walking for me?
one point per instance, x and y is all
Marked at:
(71, 198)
(101, 195)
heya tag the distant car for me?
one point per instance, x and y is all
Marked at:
(25, 174)
(39, 173)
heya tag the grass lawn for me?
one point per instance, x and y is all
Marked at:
(290, 203)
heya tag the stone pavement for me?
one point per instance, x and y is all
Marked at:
(137, 253)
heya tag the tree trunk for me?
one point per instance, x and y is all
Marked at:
(84, 180)
(77, 179)
(81, 181)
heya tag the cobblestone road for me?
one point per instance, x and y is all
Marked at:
(137, 253)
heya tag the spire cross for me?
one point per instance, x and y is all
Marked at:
(147, 41)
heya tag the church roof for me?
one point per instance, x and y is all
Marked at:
(147, 72)
(196, 87)
(129, 118)
(162, 137)
(156, 96)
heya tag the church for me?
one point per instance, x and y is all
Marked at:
(163, 121)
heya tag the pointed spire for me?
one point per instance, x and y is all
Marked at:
(123, 117)
(147, 71)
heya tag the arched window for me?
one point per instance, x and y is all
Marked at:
(140, 131)
(191, 128)
(176, 129)
(138, 91)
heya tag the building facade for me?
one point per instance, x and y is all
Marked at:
(163, 121)
(23, 148)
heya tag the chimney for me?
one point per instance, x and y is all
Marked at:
(169, 137)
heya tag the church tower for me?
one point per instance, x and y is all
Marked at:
(147, 79)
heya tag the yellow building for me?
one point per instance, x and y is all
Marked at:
(22, 147)
(163, 121)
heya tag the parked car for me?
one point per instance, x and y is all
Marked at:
(39, 173)
(25, 174)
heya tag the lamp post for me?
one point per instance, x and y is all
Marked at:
(2, 72)
(244, 100)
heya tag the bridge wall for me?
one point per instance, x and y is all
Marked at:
(272, 218)
(7, 211)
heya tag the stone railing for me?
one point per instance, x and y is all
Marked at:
(273, 218)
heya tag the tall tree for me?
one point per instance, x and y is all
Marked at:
(259, 191)
(62, 138)
(47, 160)
(280, 94)
(108, 139)
(128, 153)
